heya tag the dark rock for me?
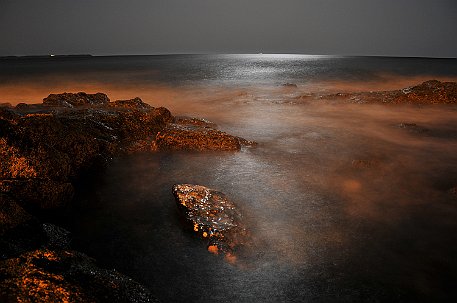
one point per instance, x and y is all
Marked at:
(213, 217)
(77, 99)
(181, 137)
(57, 237)
(5, 105)
(135, 103)
(46, 275)
(19, 231)
(289, 85)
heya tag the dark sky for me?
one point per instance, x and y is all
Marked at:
(342, 27)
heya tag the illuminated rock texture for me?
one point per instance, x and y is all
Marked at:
(429, 92)
(197, 134)
(213, 217)
(45, 275)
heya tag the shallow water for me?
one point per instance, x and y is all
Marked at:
(343, 204)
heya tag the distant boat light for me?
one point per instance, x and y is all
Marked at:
(52, 55)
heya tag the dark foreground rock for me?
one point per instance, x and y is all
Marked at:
(46, 275)
(213, 217)
(429, 92)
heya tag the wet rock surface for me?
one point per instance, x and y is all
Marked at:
(213, 217)
(44, 150)
(197, 134)
(428, 92)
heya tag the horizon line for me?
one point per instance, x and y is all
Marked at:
(56, 55)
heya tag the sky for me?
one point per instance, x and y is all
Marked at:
(426, 28)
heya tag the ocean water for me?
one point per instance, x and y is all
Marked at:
(325, 229)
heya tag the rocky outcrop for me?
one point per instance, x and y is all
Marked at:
(196, 134)
(44, 149)
(429, 92)
(213, 217)
(46, 146)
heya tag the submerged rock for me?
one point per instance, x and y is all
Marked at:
(213, 217)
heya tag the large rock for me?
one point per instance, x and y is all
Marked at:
(213, 217)
(197, 134)
(43, 148)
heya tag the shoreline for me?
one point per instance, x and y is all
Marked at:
(82, 132)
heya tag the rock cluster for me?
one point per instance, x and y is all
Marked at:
(44, 149)
(429, 92)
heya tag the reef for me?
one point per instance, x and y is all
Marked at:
(213, 217)
(428, 92)
(45, 149)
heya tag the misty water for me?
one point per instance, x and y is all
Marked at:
(325, 227)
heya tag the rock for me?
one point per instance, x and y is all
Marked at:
(213, 217)
(181, 137)
(194, 122)
(11, 214)
(46, 275)
(135, 103)
(78, 99)
(289, 85)
(19, 231)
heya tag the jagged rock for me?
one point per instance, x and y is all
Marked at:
(213, 217)
(78, 99)
(46, 275)
(43, 149)
(181, 137)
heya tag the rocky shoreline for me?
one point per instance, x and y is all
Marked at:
(45, 148)
(428, 92)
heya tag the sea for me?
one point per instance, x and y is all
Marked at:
(326, 227)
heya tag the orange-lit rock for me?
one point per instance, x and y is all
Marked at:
(197, 134)
(213, 217)
(428, 92)
(45, 275)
